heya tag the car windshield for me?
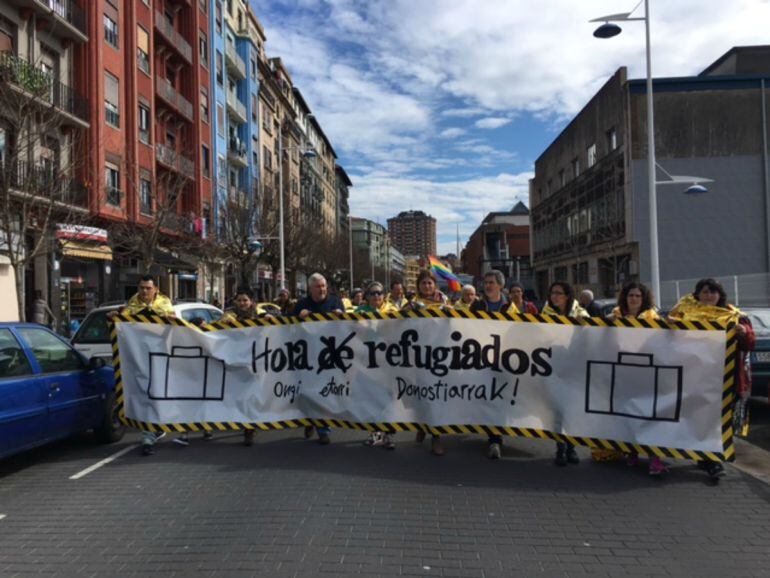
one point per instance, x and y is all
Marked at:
(760, 321)
(94, 329)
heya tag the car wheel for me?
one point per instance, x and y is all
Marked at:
(112, 429)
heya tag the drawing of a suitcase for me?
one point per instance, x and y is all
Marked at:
(634, 387)
(186, 374)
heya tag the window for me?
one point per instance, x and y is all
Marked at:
(110, 31)
(203, 49)
(218, 15)
(221, 170)
(144, 124)
(612, 140)
(145, 196)
(575, 168)
(562, 178)
(143, 49)
(220, 74)
(560, 274)
(52, 354)
(591, 154)
(206, 162)
(204, 6)
(266, 119)
(253, 69)
(111, 101)
(112, 184)
(254, 108)
(13, 361)
(267, 158)
(205, 105)
(220, 120)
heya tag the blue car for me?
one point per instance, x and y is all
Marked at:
(760, 357)
(49, 391)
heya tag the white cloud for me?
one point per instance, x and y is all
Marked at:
(453, 132)
(491, 122)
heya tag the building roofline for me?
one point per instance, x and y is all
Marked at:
(728, 54)
(313, 119)
(253, 17)
(345, 178)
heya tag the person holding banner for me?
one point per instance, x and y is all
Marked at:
(494, 301)
(244, 309)
(428, 296)
(318, 300)
(396, 295)
(635, 301)
(708, 302)
(561, 301)
(375, 303)
(147, 300)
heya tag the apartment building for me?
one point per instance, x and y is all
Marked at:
(413, 233)
(343, 184)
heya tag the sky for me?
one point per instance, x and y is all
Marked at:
(444, 105)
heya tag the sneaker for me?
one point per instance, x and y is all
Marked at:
(715, 470)
(148, 449)
(375, 439)
(436, 447)
(248, 437)
(324, 440)
(160, 435)
(182, 440)
(494, 452)
(657, 467)
(308, 431)
(208, 436)
(572, 456)
(387, 442)
(420, 437)
(561, 456)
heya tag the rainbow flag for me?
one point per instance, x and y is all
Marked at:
(445, 273)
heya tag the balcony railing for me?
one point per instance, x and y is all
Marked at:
(41, 86)
(167, 91)
(174, 160)
(239, 196)
(41, 182)
(113, 195)
(236, 108)
(66, 10)
(237, 152)
(172, 36)
(234, 62)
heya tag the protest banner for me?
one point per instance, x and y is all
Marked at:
(649, 386)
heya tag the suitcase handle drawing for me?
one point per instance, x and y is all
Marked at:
(186, 374)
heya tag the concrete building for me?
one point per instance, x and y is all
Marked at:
(412, 268)
(589, 197)
(413, 233)
(370, 250)
(343, 184)
(396, 265)
(501, 242)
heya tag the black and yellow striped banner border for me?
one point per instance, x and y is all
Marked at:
(728, 393)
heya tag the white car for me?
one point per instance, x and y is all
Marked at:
(93, 337)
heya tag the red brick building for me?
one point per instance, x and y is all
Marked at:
(501, 242)
(147, 75)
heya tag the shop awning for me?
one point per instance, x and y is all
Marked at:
(86, 250)
(171, 261)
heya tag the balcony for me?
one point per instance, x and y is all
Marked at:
(235, 64)
(113, 196)
(236, 108)
(168, 93)
(42, 88)
(237, 153)
(67, 18)
(239, 196)
(172, 37)
(174, 161)
(40, 184)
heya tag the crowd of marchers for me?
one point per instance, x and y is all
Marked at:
(707, 302)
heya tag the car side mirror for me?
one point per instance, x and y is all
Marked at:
(96, 363)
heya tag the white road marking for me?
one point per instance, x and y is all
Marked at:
(104, 462)
(2, 516)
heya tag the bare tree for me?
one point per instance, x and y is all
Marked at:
(41, 158)
(237, 235)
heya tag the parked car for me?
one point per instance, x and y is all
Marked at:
(606, 305)
(760, 357)
(48, 390)
(93, 337)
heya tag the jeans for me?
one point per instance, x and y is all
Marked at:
(322, 431)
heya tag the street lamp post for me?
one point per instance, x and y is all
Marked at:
(307, 153)
(350, 246)
(608, 30)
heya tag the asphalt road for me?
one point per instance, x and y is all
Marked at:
(289, 507)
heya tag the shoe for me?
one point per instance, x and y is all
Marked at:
(436, 447)
(657, 467)
(308, 431)
(561, 456)
(248, 437)
(572, 456)
(160, 435)
(387, 442)
(715, 470)
(182, 440)
(324, 440)
(420, 437)
(632, 460)
(148, 449)
(208, 436)
(375, 439)
(494, 453)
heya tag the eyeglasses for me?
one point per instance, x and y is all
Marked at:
(374, 293)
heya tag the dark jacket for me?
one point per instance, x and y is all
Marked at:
(483, 305)
(328, 305)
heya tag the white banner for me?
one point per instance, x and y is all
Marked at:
(653, 387)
